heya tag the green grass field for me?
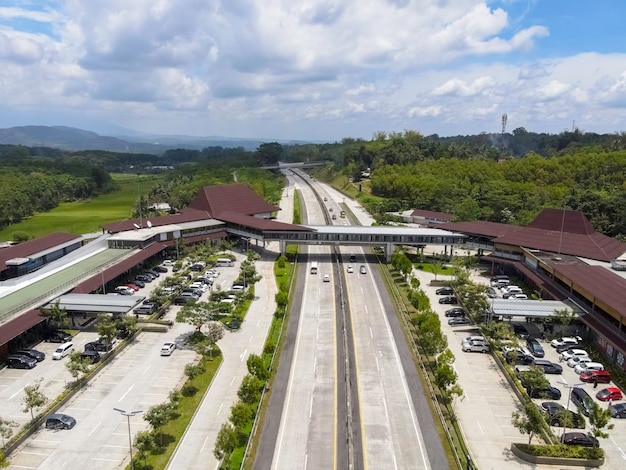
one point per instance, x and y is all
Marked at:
(87, 216)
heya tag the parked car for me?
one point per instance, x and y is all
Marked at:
(455, 312)
(152, 272)
(566, 347)
(570, 353)
(137, 283)
(101, 345)
(132, 286)
(549, 392)
(610, 393)
(517, 356)
(144, 278)
(600, 376)
(56, 336)
(168, 348)
(63, 350)
(556, 342)
(448, 300)
(60, 421)
(534, 347)
(520, 330)
(444, 291)
(582, 400)
(124, 290)
(618, 410)
(587, 366)
(92, 356)
(459, 321)
(578, 360)
(20, 361)
(548, 367)
(558, 415)
(474, 346)
(37, 355)
(160, 269)
(579, 439)
(183, 299)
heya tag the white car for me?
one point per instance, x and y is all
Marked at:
(567, 355)
(587, 366)
(566, 340)
(574, 361)
(350, 269)
(326, 278)
(474, 346)
(167, 349)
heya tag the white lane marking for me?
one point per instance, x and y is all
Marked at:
(16, 393)
(94, 429)
(220, 408)
(242, 356)
(371, 333)
(311, 407)
(129, 389)
(204, 444)
(480, 427)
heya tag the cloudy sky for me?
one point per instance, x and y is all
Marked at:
(313, 69)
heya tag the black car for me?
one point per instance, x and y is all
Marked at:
(520, 331)
(579, 439)
(550, 392)
(352, 258)
(138, 283)
(459, 321)
(566, 347)
(37, 355)
(518, 356)
(17, 361)
(144, 278)
(444, 291)
(448, 300)
(455, 312)
(60, 421)
(56, 336)
(152, 272)
(91, 356)
(160, 269)
(183, 299)
(618, 410)
(534, 347)
(98, 346)
(548, 367)
(558, 415)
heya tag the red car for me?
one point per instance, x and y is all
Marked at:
(611, 393)
(132, 286)
(599, 376)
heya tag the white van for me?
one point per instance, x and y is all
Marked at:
(63, 350)
(224, 262)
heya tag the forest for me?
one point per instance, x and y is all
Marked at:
(506, 177)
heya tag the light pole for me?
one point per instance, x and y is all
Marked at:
(128, 414)
(569, 395)
(244, 271)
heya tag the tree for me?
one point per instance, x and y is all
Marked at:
(432, 340)
(528, 420)
(269, 153)
(193, 370)
(240, 415)
(77, 365)
(4, 461)
(54, 314)
(106, 328)
(226, 441)
(599, 421)
(158, 416)
(563, 317)
(6, 429)
(33, 398)
(215, 332)
(533, 379)
(257, 367)
(250, 389)
(282, 300)
(144, 443)
(198, 314)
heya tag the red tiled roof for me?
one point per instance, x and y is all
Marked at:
(260, 223)
(31, 247)
(15, 327)
(479, 227)
(234, 197)
(432, 215)
(598, 281)
(562, 220)
(186, 215)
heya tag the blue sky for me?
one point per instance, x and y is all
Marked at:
(313, 69)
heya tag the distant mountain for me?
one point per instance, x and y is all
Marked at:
(70, 138)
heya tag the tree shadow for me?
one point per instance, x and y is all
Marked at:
(162, 441)
(189, 390)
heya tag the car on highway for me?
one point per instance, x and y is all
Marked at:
(37, 355)
(567, 355)
(556, 342)
(600, 376)
(448, 300)
(444, 291)
(60, 421)
(168, 348)
(459, 321)
(350, 269)
(326, 278)
(610, 393)
(474, 346)
(352, 258)
(558, 415)
(618, 410)
(548, 367)
(534, 347)
(18, 361)
(455, 312)
(325, 199)
(579, 439)
(362, 269)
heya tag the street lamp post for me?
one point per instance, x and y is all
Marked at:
(128, 414)
(244, 272)
(569, 395)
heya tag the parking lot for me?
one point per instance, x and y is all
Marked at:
(485, 409)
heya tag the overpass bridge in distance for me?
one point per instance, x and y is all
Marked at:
(386, 236)
(294, 166)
